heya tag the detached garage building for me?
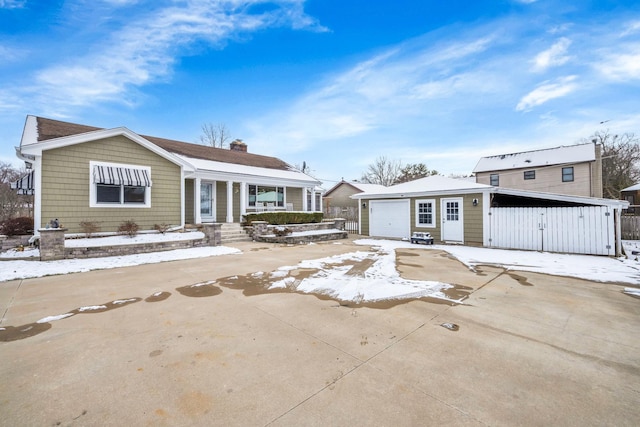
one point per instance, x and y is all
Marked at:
(465, 212)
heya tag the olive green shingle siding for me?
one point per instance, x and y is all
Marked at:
(66, 180)
(472, 215)
(188, 201)
(294, 195)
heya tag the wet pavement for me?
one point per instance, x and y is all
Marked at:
(207, 342)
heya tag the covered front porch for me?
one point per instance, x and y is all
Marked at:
(209, 200)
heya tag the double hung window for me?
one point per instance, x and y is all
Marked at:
(425, 213)
(567, 174)
(118, 185)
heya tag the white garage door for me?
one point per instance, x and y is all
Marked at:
(389, 218)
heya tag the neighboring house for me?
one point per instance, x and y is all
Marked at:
(632, 195)
(573, 170)
(84, 173)
(458, 211)
(338, 199)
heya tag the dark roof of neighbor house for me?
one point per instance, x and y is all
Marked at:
(50, 129)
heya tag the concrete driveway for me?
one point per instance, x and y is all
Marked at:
(141, 346)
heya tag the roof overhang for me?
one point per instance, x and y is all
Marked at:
(618, 204)
(28, 148)
(220, 171)
(430, 193)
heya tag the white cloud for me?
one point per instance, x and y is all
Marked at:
(622, 65)
(546, 92)
(552, 57)
(631, 28)
(12, 4)
(146, 48)
(383, 90)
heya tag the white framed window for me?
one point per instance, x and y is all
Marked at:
(117, 185)
(266, 195)
(426, 213)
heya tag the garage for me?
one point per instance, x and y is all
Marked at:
(389, 218)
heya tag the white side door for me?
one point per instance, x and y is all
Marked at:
(452, 219)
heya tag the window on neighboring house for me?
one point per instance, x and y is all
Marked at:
(425, 213)
(567, 174)
(266, 195)
(494, 179)
(629, 198)
(529, 174)
(119, 185)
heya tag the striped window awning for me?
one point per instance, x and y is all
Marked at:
(24, 185)
(121, 176)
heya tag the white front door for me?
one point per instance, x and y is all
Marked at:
(452, 219)
(206, 201)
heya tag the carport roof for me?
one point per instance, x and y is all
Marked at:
(440, 185)
(621, 204)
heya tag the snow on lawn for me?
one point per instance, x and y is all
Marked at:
(126, 240)
(11, 270)
(596, 268)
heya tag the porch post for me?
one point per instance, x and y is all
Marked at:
(37, 194)
(304, 200)
(313, 200)
(197, 215)
(243, 199)
(229, 201)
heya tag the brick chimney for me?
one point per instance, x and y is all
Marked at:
(238, 145)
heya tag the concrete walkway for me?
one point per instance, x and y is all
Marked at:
(143, 347)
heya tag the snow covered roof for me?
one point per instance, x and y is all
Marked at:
(530, 159)
(431, 184)
(222, 171)
(635, 187)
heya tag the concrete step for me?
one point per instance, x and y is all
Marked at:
(233, 233)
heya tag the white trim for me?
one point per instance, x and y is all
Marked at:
(434, 209)
(486, 220)
(37, 149)
(37, 197)
(443, 218)
(197, 215)
(93, 193)
(229, 201)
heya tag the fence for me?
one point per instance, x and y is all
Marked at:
(350, 214)
(630, 227)
(581, 230)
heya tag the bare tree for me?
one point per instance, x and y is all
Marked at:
(414, 171)
(215, 135)
(12, 204)
(620, 161)
(383, 171)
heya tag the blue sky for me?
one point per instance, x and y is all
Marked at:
(333, 83)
